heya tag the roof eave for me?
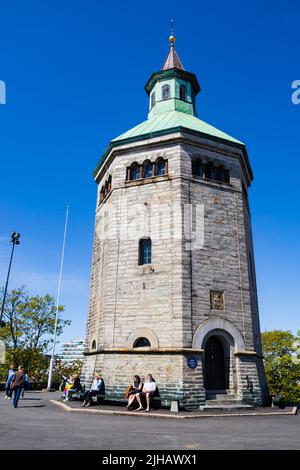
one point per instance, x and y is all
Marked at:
(164, 74)
(172, 130)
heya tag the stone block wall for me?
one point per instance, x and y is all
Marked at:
(173, 377)
(254, 389)
(171, 298)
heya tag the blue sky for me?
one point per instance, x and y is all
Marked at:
(75, 73)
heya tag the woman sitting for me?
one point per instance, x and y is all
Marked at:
(97, 388)
(148, 391)
(136, 387)
(75, 387)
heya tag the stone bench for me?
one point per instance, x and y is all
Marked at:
(156, 401)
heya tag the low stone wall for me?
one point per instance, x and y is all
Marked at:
(174, 379)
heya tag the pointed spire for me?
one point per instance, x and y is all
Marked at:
(172, 61)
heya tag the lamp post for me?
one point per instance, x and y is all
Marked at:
(15, 240)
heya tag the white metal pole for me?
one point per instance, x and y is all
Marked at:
(58, 301)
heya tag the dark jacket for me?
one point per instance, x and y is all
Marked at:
(18, 379)
(77, 384)
(102, 388)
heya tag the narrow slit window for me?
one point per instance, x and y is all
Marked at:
(183, 93)
(165, 92)
(145, 251)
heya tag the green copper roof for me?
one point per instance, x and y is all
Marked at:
(170, 120)
(173, 113)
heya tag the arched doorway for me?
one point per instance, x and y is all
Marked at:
(214, 365)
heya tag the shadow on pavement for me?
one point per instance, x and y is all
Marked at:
(31, 406)
(25, 399)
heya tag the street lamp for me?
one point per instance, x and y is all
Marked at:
(15, 240)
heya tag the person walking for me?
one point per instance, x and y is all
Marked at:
(17, 385)
(9, 378)
(25, 385)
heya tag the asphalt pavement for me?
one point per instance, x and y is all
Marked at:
(38, 424)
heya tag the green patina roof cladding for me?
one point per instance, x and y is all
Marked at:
(167, 123)
(171, 119)
(173, 115)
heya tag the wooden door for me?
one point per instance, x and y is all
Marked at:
(214, 371)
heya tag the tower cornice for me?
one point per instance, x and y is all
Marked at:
(180, 133)
(173, 73)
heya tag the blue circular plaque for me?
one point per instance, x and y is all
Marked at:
(192, 363)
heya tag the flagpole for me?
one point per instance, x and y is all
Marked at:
(58, 301)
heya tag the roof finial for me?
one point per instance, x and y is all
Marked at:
(172, 37)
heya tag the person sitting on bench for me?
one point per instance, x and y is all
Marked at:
(136, 387)
(75, 387)
(148, 391)
(97, 388)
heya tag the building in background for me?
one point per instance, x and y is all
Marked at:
(72, 351)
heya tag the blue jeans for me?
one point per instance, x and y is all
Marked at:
(7, 389)
(17, 393)
(71, 390)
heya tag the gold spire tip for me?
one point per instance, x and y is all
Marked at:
(172, 37)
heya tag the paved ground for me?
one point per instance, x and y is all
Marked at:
(37, 424)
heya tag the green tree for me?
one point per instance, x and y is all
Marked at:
(29, 321)
(29, 327)
(35, 362)
(62, 370)
(282, 363)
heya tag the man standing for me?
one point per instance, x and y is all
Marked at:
(17, 384)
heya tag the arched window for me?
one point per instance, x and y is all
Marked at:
(147, 169)
(145, 248)
(226, 176)
(245, 192)
(160, 167)
(142, 343)
(219, 174)
(165, 91)
(153, 99)
(109, 184)
(209, 172)
(102, 194)
(94, 344)
(183, 93)
(134, 171)
(197, 168)
(216, 173)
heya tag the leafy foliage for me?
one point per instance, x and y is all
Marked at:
(62, 370)
(282, 363)
(29, 321)
(28, 331)
(36, 364)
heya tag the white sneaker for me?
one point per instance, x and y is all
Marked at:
(9, 398)
(6, 397)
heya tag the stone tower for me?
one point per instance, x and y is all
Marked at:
(173, 287)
